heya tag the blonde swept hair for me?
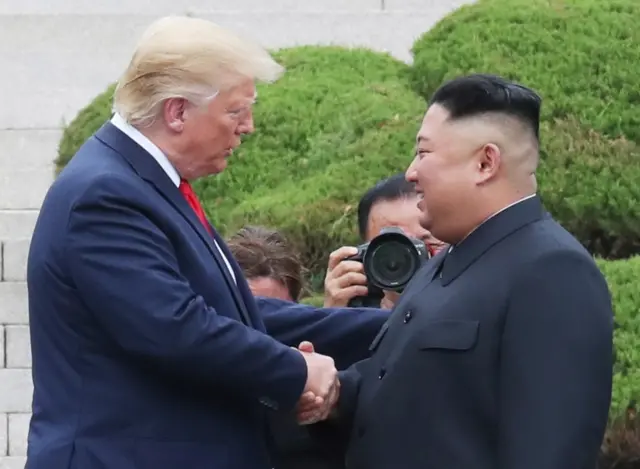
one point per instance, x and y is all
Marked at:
(190, 58)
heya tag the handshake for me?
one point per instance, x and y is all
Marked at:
(322, 390)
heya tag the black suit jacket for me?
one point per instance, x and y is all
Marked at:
(500, 357)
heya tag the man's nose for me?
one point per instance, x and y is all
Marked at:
(246, 126)
(410, 174)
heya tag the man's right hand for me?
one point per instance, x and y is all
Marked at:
(321, 374)
(344, 279)
(313, 407)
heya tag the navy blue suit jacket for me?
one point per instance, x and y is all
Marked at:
(344, 334)
(497, 356)
(146, 354)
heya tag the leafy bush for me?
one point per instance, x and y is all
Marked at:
(621, 447)
(88, 120)
(583, 57)
(316, 300)
(622, 277)
(336, 122)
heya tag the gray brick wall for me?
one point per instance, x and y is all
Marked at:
(60, 54)
(15, 355)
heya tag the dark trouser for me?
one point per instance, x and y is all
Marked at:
(308, 460)
(293, 447)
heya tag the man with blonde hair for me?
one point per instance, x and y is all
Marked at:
(148, 348)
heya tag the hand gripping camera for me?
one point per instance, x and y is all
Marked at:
(390, 260)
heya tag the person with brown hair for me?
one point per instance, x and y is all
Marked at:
(271, 266)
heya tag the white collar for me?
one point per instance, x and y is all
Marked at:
(150, 147)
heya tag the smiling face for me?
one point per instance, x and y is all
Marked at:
(444, 172)
(477, 153)
(205, 136)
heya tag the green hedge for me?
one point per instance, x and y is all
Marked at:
(337, 121)
(583, 56)
(88, 120)
(621, 446)
(622, 277)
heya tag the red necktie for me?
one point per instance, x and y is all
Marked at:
(189, 194)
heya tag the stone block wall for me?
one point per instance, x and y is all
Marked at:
(15, 355)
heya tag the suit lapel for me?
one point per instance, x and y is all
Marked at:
(149, 170)
(241, 291)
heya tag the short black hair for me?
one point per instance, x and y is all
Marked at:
(478, 94)
(392, 188)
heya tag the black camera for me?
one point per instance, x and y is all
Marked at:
(390, 261)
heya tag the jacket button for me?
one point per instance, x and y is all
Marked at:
(408, 316)
(383, 371)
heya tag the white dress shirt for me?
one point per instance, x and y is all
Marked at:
(151, 148)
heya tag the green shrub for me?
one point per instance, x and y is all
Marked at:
(583, 57)
(88, 120)
(336, 122)
(622, 277)
(316, 300)
(621, 446)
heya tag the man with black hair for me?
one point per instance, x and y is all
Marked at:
(390, 202)
(499, 353)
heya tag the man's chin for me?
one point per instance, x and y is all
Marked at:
(219, 166)
(426, 223)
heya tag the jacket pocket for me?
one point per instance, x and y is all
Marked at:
(449, 334)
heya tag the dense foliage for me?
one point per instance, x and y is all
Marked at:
(583, 57)
(88, 120)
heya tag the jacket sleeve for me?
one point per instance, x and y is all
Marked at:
(556, 365)
(341, 333)
(127, 273)
(335, 432)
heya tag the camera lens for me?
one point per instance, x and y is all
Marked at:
(392, 264)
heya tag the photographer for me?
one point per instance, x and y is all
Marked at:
(392, 202)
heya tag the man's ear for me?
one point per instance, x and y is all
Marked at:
(174, 110)
(489, 161)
